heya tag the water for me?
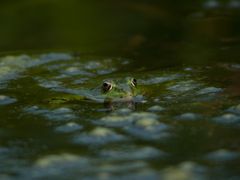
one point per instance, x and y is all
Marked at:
(187, 124)
(185, 121)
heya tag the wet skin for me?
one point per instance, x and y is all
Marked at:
(110, 91)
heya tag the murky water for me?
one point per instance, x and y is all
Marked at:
(183, 121)
(185, 125)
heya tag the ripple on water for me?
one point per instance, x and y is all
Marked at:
(4, 100)
(48, 83)
(98, 136)
(209, 90)
(136, 170)
(184, 86)
(119, 119)
(105, 71)
(157, 80)
(62, 159)
(88, 68)
(80, 80)
(135, 153)
(10, 161)
(227, 119)
(100, 68)
(185, 170)
(73, 71)
(69, 127)
(234, 109)
(71, 166)
(156, 108)
(222, 155)
(123, 111)
(189, 116)
(12, 66)
(92, 65)
(57, 165)
(59, 114)
(142, 125)
(50, 57)
(147, 130)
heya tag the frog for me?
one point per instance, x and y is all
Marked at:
(108, 92)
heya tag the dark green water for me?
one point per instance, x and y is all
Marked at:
(185, 121)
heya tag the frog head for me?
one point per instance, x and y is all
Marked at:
(119, 90)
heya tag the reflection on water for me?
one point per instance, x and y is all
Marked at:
(186, 125)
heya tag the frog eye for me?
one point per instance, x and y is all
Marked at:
(106, 86)
(134, 82)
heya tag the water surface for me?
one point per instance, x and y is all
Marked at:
(186, 125)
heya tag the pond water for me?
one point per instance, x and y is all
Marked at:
(186, 123)
(181, 121)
